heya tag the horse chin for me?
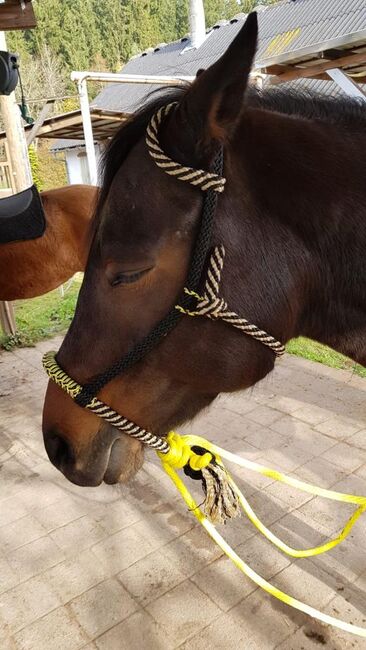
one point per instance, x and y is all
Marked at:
(124, 461)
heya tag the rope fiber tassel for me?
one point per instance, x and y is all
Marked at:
(221, 501)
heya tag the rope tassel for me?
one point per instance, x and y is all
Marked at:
(221, 502)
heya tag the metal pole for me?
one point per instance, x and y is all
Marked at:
(347, 84)
(88, 131)
(82, 77)
(113, 77)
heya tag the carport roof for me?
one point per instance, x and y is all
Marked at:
(70, 125)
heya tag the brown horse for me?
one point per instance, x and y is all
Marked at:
(31, 268)
(293, 222)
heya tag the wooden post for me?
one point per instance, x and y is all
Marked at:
(17, 146)
(7, 319)
(19, 164)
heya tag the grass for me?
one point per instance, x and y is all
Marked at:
(314, 351)
(51, 314)
(43, 317)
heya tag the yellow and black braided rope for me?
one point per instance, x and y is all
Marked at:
(102, 410)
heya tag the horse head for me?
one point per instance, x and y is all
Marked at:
(147, 223)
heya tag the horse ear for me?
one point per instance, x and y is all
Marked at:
(212, 105)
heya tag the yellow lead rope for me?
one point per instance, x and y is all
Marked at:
(360, 501)
(177, 451)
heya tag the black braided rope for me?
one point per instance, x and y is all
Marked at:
(143, 347)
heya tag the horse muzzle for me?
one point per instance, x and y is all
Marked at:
(111, 456)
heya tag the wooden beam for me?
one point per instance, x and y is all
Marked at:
(14, 16)
(350, 87)
(277, 69)
(32, 134)
(313, 71)
(14, 132)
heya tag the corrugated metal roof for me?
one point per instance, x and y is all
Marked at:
(62, 144)
(286, 27)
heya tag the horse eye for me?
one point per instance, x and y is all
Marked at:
(128, 277)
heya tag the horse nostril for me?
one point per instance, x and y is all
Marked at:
(58, 450)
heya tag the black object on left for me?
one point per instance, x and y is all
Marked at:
(8, 72)
(22, 217)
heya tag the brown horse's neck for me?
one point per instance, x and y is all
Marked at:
(306, 197)
(335, 310)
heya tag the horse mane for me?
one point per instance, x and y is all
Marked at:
(343, 111)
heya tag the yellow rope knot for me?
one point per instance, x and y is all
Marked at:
(181, 453)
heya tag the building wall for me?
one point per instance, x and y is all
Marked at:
(77, 166)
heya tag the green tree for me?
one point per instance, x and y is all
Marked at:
(49, 25)
(109, 22)
(141, 26)
(16, 42)
(221, 10)
(80, 40)
(181, 18)
(34, 163)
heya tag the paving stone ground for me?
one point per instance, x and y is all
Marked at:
(115, 568)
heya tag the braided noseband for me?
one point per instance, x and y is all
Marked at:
(220, 498)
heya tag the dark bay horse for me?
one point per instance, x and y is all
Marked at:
(31, 268)
(292, 219)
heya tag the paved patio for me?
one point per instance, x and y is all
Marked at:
(127, 568)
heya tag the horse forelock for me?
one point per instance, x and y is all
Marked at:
(130, 133)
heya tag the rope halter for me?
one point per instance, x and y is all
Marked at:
(199, 178)
(214, 307)
(221, 501)
(211, 304)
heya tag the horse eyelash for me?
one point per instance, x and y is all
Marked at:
(127, 278)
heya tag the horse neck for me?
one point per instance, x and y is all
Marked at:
(306, 179)
(335, 309)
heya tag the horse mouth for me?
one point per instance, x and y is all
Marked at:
(123, 462)
(116, 464)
